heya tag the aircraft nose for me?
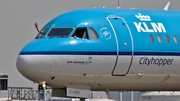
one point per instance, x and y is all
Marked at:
(33, 65)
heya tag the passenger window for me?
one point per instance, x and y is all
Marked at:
(175, 39)
(152, 38)
(168, 38)
(160, 38)
(93, 34)
(81, 33)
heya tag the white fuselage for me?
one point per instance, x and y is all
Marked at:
(146, 73)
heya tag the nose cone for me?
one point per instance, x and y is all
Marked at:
(32, 64)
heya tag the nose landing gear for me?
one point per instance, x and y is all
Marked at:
(42, 90)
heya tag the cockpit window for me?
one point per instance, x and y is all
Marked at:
(81, 33)
(42, 33)
(60, 32)
(93, 34)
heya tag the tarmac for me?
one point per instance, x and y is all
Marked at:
(6, 99)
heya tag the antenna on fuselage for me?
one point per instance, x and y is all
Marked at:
(167, 6)
(119, 4)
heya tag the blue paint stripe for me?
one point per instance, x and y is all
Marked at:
(98, 53)
(158, 53)
(67, 53)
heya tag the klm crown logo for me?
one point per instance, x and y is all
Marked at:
(143, 17)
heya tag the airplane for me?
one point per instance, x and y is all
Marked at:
(105, 49)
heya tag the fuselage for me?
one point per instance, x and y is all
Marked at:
(106, 49)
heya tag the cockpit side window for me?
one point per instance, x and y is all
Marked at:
(93, 34)
(81, 33)
(43, 32)
(60, 32)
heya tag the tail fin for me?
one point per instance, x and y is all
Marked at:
(167, 6)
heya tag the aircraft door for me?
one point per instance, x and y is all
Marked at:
(124, 44)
